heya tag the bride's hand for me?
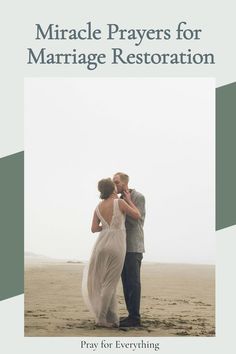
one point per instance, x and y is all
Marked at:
(127, 196)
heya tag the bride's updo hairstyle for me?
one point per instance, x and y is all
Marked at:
(106, 187)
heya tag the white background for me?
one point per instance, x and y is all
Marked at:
(159, 131)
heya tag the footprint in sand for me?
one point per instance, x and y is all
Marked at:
(181, 320)
(183, 333)
(183, 301)
(168, 324)
(198, 302)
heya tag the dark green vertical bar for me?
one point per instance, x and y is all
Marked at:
(226, 156)
(11, 225)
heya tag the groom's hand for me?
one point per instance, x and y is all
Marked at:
(127, 196)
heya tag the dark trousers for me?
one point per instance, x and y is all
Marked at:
(131, 283)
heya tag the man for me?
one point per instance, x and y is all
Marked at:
(134, 253)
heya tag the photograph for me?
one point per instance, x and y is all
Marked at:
(119, 207)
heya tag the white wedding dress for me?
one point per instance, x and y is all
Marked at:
(101, 275)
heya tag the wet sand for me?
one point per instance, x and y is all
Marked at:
(177, 300)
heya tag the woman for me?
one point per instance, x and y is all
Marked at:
(103, 272)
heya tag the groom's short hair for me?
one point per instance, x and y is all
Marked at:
(123, 176)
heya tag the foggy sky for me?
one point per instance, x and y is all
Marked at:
(159, 131)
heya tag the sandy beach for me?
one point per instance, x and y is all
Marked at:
(177, 300)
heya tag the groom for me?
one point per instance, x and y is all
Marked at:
(134, 253)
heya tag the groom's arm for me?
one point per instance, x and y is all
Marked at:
(139, 202)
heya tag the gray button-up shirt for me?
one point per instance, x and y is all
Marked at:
(134, 228)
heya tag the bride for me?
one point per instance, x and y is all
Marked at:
(103, 271)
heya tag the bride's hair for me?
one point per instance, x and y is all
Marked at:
(106, 187)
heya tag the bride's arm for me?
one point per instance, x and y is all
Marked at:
(129, 208)
(96, 227)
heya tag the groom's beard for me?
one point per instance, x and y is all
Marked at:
(122, 193)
